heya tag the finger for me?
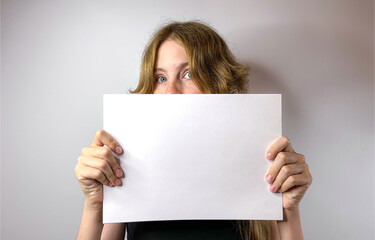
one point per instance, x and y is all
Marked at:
(294, 180)
(281, 144)
(99, 164)
(106, 154)
(118, 161)
(103, 138)
(285, 172)
(85, 172)
(282, 158)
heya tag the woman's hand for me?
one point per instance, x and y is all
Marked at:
(289, 173)
(97, 166)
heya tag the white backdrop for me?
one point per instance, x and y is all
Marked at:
(59, 57)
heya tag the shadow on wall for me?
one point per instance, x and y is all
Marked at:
(304, 62)
(262, 80)
(301, 58)
(259, 50)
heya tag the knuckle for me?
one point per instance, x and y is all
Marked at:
(83, 151)
(105, 153)
(286, 140)
(102, 164)
(79, 159)
(306, 167)
(98, 174)
(99, 133)
(293, 180)
(286, 170)
(303, 158)
(282, 157)
(76, 170)
(80, 178)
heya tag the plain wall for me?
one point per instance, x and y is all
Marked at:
(59, 57)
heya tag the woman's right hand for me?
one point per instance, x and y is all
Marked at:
(97, 166)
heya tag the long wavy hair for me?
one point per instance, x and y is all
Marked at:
(214, 69)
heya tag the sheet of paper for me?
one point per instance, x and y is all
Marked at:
(192, 156)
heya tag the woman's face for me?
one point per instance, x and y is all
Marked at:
(171, 71)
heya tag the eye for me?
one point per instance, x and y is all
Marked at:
(161, 79)
(188, 75)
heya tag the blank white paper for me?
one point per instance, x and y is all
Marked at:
(192, 156)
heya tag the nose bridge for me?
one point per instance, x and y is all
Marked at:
(173, 87)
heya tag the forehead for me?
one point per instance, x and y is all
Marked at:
(170, 52)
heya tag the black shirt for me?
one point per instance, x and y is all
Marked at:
(183, 230)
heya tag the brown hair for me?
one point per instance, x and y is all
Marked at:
(212, 66)
(214, 70)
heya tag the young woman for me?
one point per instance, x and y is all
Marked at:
(186, 58)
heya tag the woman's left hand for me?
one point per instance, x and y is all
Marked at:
(289, 173)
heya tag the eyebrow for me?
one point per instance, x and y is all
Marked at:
(181, 65)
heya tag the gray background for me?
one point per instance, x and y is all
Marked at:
(59, 57)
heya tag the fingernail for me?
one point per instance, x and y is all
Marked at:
(110, 184)
(272, 188)
(269, 155)
(118, 182)
(118, 149)
(269, 178)
(118, 172)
